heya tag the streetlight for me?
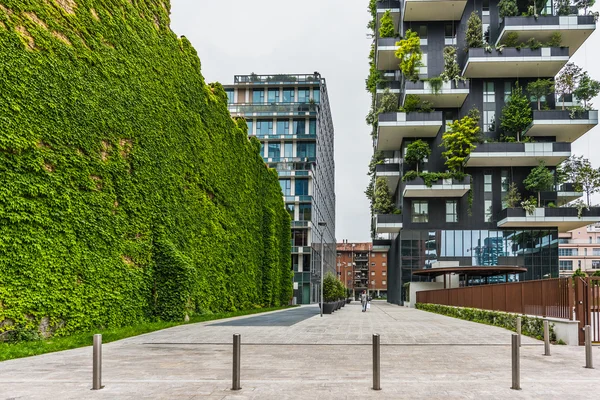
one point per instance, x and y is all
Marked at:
(323, 224)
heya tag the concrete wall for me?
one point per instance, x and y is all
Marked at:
(418, 286)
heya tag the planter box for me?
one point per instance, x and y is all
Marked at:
(328, 308)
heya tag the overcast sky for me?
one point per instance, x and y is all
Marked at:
(238, 37)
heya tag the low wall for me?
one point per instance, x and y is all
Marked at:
(566, 330)
(419, 286)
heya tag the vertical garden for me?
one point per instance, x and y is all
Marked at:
(127, 192)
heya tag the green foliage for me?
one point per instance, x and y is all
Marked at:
(410, 176)
(555, 40)
(409, 53)
(411, 103)
(512, 39)
(474, 36)
(330, 288)
(516, 114)
(508, 8)
(129, 192)
(583, 175)
(567, 80)
(562, 7)
(374, 74)
(513, 197)
(587, 89)
(383, 203)
(388, 102)
(459, 142)
(530, 326)
(436, 84)
(540, 88)
(416, 152)
(451, 67)
(579, 273)
(529, 205)
(386, 27)
(533, 43)
(539, 179)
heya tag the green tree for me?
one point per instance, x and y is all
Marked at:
(579, 273)
(562, 7)
(459, 141)
(516, 114)
(567, 80)
(409, 53)
(451, 67)
(386, 27)
(383, 203)
(587, 89)
(584, 4)
(583, 175)
(508, 8)
(474, 34)
(411, 103)
(539, 89)
(416, 152)
(512, 196)
(539, 179)
(329, 287)
(374, 74)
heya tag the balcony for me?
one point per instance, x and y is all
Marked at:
(277, 79)
(394, 127)
(386, 54)
(393, 87)
(391, 173)
(388, 223)
(297, 199)
(565, 218)
(562, 124)
(442, 188)
(566, 193)
(518, 154)
(450, 95)
(433, 10)
(574, 29)
(301, 224)
(393, 6)
(269, 109)
(510, 63)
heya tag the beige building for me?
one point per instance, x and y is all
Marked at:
(579, 248)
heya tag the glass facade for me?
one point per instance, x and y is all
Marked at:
(273, 96)
(258, 96)
(288, 95)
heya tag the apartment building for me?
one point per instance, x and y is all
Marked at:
(579, 249)
(362, 266)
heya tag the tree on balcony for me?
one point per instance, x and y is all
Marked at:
(516, 114)
(474, 34)
(383, 203)
(386, 29)
(410, 55)
(540, 88)
(562, 7)
(451, 67)
(416, 152)
(585, 178)
(508, 8)
(567, 81)
(459, 141)
(587, 89)
(539, 179)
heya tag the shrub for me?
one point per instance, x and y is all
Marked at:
(386, 27)
(512, 39)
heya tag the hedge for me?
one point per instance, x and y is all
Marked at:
(530, 326)
(127, 191)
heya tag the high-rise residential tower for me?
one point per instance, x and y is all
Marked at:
(290, 115)
(486, 193)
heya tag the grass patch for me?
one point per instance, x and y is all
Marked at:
(9, 351)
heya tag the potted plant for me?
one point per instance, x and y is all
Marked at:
(329, 294)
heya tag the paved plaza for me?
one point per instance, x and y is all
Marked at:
(295, 354)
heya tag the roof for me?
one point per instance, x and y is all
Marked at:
(368, 246)
(473, 271)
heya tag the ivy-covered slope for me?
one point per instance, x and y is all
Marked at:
(126, 189)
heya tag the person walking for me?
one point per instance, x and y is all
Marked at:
(364, 300)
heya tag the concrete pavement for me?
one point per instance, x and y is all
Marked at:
(297, 354)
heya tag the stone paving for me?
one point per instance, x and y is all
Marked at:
(423, 355)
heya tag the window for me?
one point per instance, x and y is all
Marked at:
(250, 130)
(286, 187)
(303, 95)
(264, 128)
(585, 251)
(420, 211)
(383, 282)
(384, 273)
(595, 264)
(301, 187)
(384, 255)
(229, 96)
(299, 127)
(487, 183)
(486, 7)
(449, 34)
(317, 95)
(283, 127)
(504, 187)
(596, 252)
(273, 96)
(305, 149)
(288, 95)
(383, 264)
(507, 91)
(300, 237)
(305, 212)
(289, 208)
(262, 149)
(489, 121)
(423, 31)
(349, 272)
(312, 127)
(288, 149)
(567, 252)
(590, 239)
(565, 265)
(489, 106)
(258, 96)
(487, 209)
(373, 272)
(274, 150)
(451, 213)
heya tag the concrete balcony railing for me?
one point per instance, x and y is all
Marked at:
(441, 188)
(574, 29)
(388, 223)
(433, 10)
(564, 218)
(564, 125)
(386, 54)
(394, 127)
(524, 63)
(450, 95)
(518, 154)
(258, 109)
(391, 173)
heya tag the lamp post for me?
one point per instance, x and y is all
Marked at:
(353, 273)
(323, 224)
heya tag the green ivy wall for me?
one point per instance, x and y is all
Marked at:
(127, 192)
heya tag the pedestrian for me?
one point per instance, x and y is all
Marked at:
(364, 300)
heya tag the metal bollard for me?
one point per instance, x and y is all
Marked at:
(546, 338)
(97, 363)
(376, 363)
(516, 363)
(588, 347)
(519, 329)
(237, 340)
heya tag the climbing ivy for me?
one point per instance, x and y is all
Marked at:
(128, 191)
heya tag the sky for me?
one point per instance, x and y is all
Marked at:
(239, 37)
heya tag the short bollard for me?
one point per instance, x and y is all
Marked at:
(516, 363)
(588, 347)
(237, 339)
(546, 338)
(519, 329)
(376, 363)
(97, 363)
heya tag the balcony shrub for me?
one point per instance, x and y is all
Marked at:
(451, 68)
(383, 203)
(512, 196)
(508, 8)
(459, 141)
(512, 39)
(584, 176)
(540, 88)
(329, 288)
(410, 55)
(435, 83)
(567, 80)
(587, 89)
(516, 114)
(416, 152)
(539, 179)
(474, 34)
(386, 27)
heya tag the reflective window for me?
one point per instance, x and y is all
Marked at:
(504, 184)
(299, 127)
(596, 252)
(305, 212)
(487, 209)
(274, 150)
(451, 211)
(283, 127)
(565, 265)
(487, 183)
(289, 207)
(273, 96)
(258, 96)
(312, 127)
(288, 149)
(567, 252)
(229, 95)
(264, 128)
(305, 149)
(288, 95)
(303, 95)
(250, 130)
(301, 187)
(317, 95)
(507, 91)
(420, 211)
(286, 186)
